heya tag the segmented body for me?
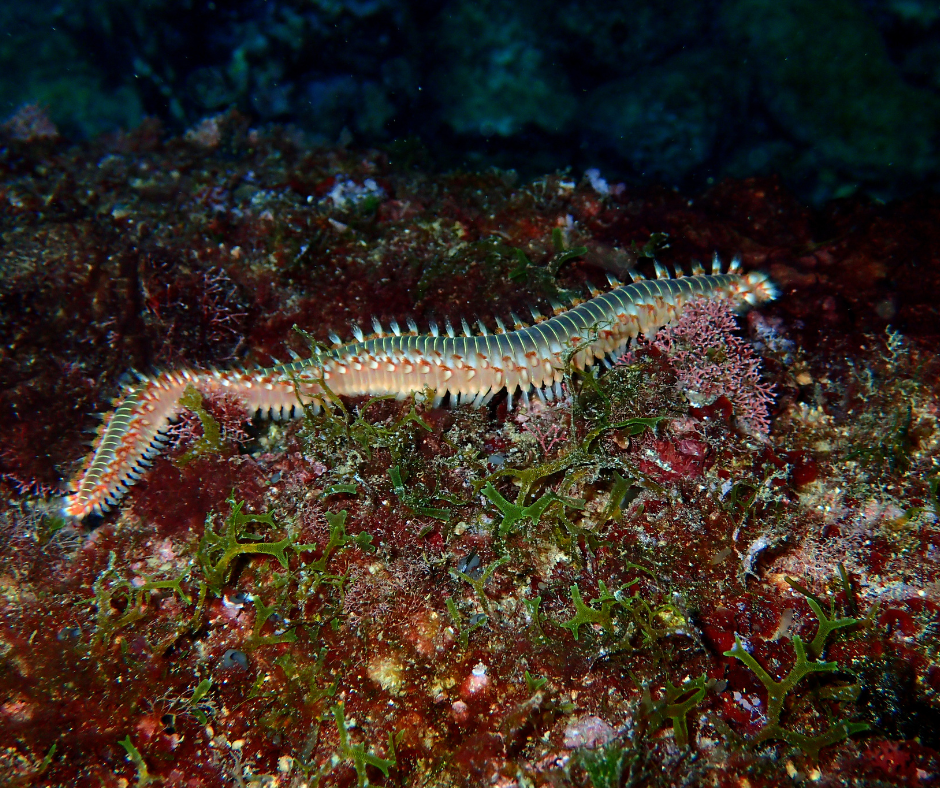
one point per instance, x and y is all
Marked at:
(471, 368)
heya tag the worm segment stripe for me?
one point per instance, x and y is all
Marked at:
(472, 369)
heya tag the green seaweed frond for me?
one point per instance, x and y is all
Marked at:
(777, 692)
(357, 753)
(196, 705)
(563, 253)
(806, 663)
(479, 583)
(674, 706)
(534, 683)
(588, 615)
(262, 613)
(633, 614)
(211, 440)
(216, 552)
(605, 765)
(513, 513)
(340, 489)
(583, 455)
(933, 483)
(306, 686)
(532, 607)
(618, 494)
(396, 438)
(656, 242)
(653, 623)
(144, 778)
(417, 497)
(464, 632)
(339, 539)
(579, 458)
(543, 275)
(827, 623)
(314, 573)
(137, 596)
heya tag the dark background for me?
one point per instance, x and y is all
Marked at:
(836, 96)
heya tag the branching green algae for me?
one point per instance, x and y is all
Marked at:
(777, 692)
(135, 597)
(210, 442)
(216, 552)
(804, 666)
(357, 753)
(674, 706)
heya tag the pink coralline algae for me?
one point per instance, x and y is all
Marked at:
(712, 361)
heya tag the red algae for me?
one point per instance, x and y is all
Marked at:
(392, 594)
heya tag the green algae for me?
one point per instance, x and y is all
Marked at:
(357, 753)
(340, 489)
(514, 514)
(339, 539)
(535, 617)
(144, 778)
(417, 498)
(777, 692)
(674, 706)
(827, 623)
(634, 615)
(534, 683)
(618, 494)
(262, 613)
(587, 615)
(805, 665)
(605, 765)
(136, 595)
(210, 442)
(545, 275)
(463, 631)
(303, 688)
(580, 457)
(195, 703)
(478, 584)
(217, 552)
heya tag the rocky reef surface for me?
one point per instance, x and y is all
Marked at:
(664, 578)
